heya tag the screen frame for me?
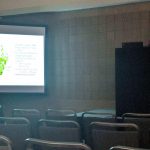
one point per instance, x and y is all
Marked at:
(24, 89)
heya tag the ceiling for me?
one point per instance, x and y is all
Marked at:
(11, 7)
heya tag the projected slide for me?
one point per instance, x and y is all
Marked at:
(22, 58)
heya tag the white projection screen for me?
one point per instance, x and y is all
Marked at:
(22, 59)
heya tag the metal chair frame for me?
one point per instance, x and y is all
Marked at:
(52, 144)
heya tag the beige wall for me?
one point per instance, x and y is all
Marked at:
(80, 55)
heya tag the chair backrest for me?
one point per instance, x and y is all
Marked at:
(16, 129)
(31, 143)
(54, 130)
(55, 114)
(136, 115)
(125, 148)
(33, 115)
(88, 117)
(5, 143)
(143, 121)
(105, 135)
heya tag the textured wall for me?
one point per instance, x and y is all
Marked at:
(84, 46)
(80, 55)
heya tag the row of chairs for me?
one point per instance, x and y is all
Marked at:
(141, 120)
(38, 144)
(101, 125)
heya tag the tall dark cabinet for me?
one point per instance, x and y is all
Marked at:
(132, 78)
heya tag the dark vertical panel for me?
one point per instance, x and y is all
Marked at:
(132, 80)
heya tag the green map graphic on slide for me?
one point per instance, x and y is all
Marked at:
(3, 60)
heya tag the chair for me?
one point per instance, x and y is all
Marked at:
(31, 143)
(33, 115)
(143, 121)
(88, 117)
(105, 135)
(125, 148)
(55, 114)
(16, 129)
(55, 130)
(5, 143)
